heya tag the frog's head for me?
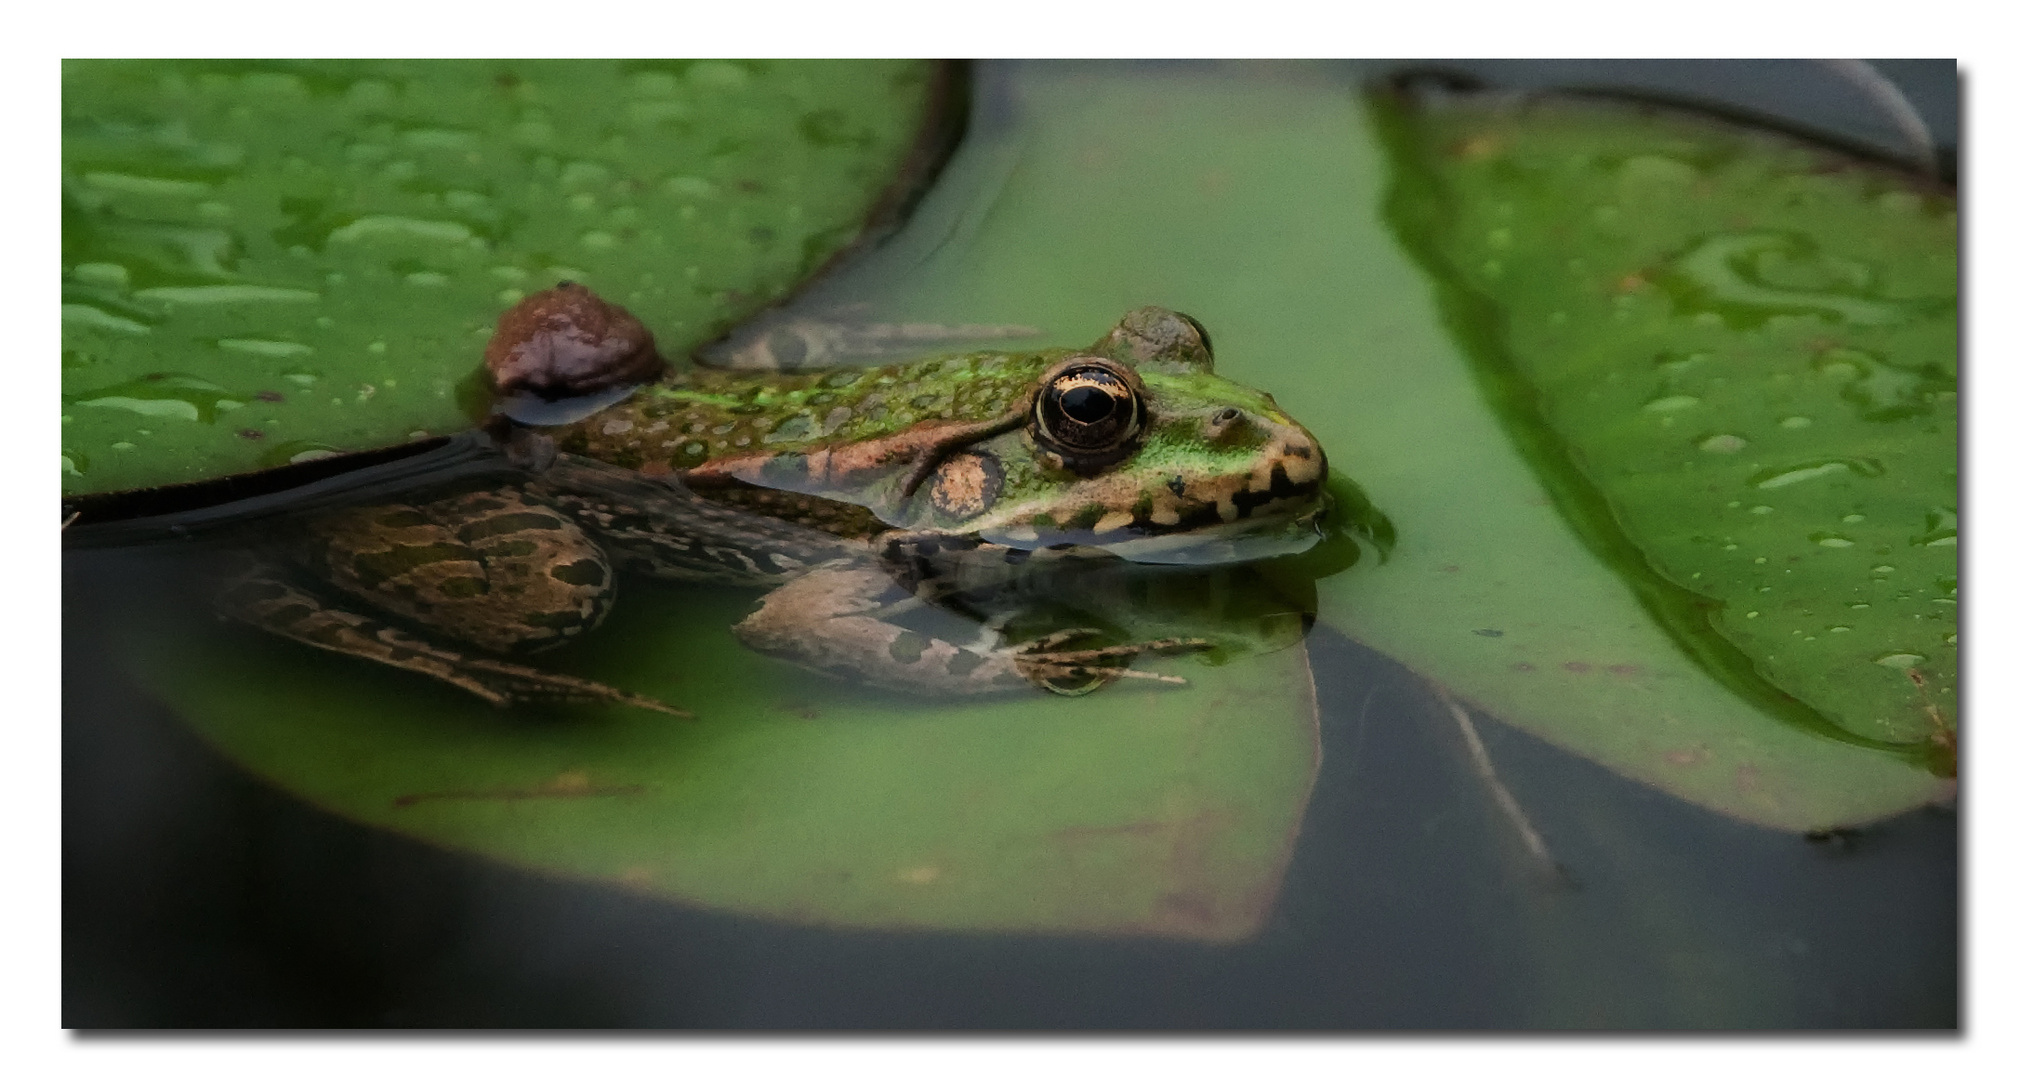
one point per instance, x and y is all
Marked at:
(1135, 446)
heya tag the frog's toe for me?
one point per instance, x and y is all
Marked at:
(1082, 671)
(516, 682)
(1057, 638)
(279, 607)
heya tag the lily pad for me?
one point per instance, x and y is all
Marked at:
(1160, 810)
(1733, 359)
(1257, 206)
(267, 263)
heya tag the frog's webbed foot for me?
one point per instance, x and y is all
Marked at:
(280, 608)
(1082, 671)
(835, 620)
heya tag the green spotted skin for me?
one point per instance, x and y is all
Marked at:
(1212, 451)
(703, 415)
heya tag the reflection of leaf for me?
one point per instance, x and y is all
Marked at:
(1166, 810)
(1276, 242)
(377, 216)
(1764, 521)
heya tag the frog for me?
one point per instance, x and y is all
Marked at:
(852, 496)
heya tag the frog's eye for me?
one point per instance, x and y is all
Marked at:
(1088, 409)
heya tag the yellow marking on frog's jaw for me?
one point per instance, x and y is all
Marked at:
(1113, 520)
(1301, 457)
(1135, 508)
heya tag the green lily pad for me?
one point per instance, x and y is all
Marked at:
(1733, 357)
(266, 263)
(1257, 205)
(1139, 809)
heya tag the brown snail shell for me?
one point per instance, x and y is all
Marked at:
(566, 342)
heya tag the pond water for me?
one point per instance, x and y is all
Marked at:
(1398, 890)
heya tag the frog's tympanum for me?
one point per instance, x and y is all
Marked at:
(860, 497)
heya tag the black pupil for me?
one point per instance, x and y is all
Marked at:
(1087, 404)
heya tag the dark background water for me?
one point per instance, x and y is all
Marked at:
(195, 895)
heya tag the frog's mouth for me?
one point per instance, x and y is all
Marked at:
(1230, 542)
(1283, 518)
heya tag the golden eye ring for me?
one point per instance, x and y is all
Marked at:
(1088, 410)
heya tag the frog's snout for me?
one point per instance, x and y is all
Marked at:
(1300, 457)
(1288, 479)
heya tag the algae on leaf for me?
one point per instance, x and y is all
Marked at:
(1733, 358)
(270, 262)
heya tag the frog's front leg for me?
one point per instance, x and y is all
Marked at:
(835, 620)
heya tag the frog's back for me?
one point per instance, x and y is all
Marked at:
(716, 421)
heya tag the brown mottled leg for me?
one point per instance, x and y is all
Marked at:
(491, 568)
(281, 608)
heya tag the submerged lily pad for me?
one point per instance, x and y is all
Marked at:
(311, 255)
(1138, 809)
(1733, 357)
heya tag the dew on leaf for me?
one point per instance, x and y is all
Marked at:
(226, 294)
(183, 397)
(1746, 279)
(96, 318)
(388, 226)
(111, 275)
(129, 184)
(264, 347)
(1770, 478)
